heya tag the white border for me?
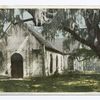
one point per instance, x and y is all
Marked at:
(50, 94)
(49, 2)
(50, 6)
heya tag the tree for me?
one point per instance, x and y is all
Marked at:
(82, 25)
(38, 16)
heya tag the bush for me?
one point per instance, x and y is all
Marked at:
(72, 73)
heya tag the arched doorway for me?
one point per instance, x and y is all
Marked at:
(17, 65)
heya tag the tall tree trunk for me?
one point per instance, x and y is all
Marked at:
(43, 57)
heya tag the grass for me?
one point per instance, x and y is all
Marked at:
(63, 83)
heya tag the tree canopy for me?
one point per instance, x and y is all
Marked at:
(82, 25)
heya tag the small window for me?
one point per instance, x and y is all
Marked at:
(51, 63)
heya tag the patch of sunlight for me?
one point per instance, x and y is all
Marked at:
(89, 72)
(82, 82)
(72, 83)
(37, 85)
(54, 87)
(1, 90)
(90, 82)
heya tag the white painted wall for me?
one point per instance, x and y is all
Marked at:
(60, 62)
(21, 41)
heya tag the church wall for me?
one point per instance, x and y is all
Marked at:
(21, 41)
(55, 66)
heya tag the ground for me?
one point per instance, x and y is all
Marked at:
(63, 83)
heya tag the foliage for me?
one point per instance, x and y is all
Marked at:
(6, 15)
(84, 53)
(51, 29)
(81, 25)
(74, 73)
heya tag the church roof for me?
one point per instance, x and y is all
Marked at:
(48, 45)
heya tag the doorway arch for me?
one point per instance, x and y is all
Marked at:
(17, 65)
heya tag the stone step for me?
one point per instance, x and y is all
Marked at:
(4, 77)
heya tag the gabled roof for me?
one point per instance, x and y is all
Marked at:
(58, 43)
(41, 39)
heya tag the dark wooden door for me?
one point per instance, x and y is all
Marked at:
(17, 65)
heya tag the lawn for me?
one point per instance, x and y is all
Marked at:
(63, 83)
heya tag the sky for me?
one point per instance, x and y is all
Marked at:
(26, 15)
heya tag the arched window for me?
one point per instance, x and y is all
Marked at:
(51, 63)
(56, 62)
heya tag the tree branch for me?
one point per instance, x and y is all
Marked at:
(78, 38)
(25, 20)
(83, 41)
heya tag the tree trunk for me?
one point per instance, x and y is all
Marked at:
(43, 56)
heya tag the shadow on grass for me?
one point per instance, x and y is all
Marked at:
(15, 86)
(52, 84)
